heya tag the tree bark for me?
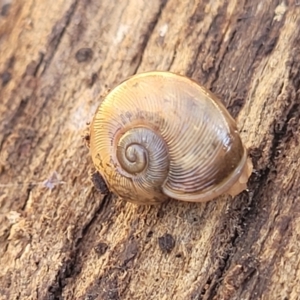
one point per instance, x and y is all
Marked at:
(59, 238)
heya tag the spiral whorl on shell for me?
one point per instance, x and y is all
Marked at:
(159, 135)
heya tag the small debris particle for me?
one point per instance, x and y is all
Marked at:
(5, 9)
(91, 81)
(52, 181)
(280, 11)
(163, 30)
(13, 217)
(99, 183)
(101, 248)
(130, 251)
(166, 243)
(86, 139)
(84, 55)
(5, 77)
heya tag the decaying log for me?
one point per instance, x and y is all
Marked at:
(59, 238)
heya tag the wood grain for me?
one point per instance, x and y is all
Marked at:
(60, 239)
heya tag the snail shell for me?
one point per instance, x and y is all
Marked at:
(160, 135)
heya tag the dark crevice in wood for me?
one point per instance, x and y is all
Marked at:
(57, 34)
(194, 61)
(249, 214)
(262, 281)
(72, 266)
(137, 59)
(240, 213)
(227, 236)
(102, 208)
(280, 139)
(8, 126)
(263, 46)
(280, 223)
(265, 43)
(282, 135)
(108, 286)
(247, 210)
(29, 189)
(33, 68)
(105, 288)
(255, 212)
(218, 67)
(282, 131)
(6, 73)
(173, 57)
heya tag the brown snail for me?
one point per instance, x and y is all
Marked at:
(160, 135)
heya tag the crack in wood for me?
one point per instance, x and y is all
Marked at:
(279, 139)
(57, 34)
(146, 37)
(13, 120)
(196, 17)
(72, 267)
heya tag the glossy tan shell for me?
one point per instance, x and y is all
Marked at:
(160, 135)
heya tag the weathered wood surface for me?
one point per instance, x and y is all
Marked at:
(56, 58)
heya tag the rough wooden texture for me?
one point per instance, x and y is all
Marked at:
(59, 239)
